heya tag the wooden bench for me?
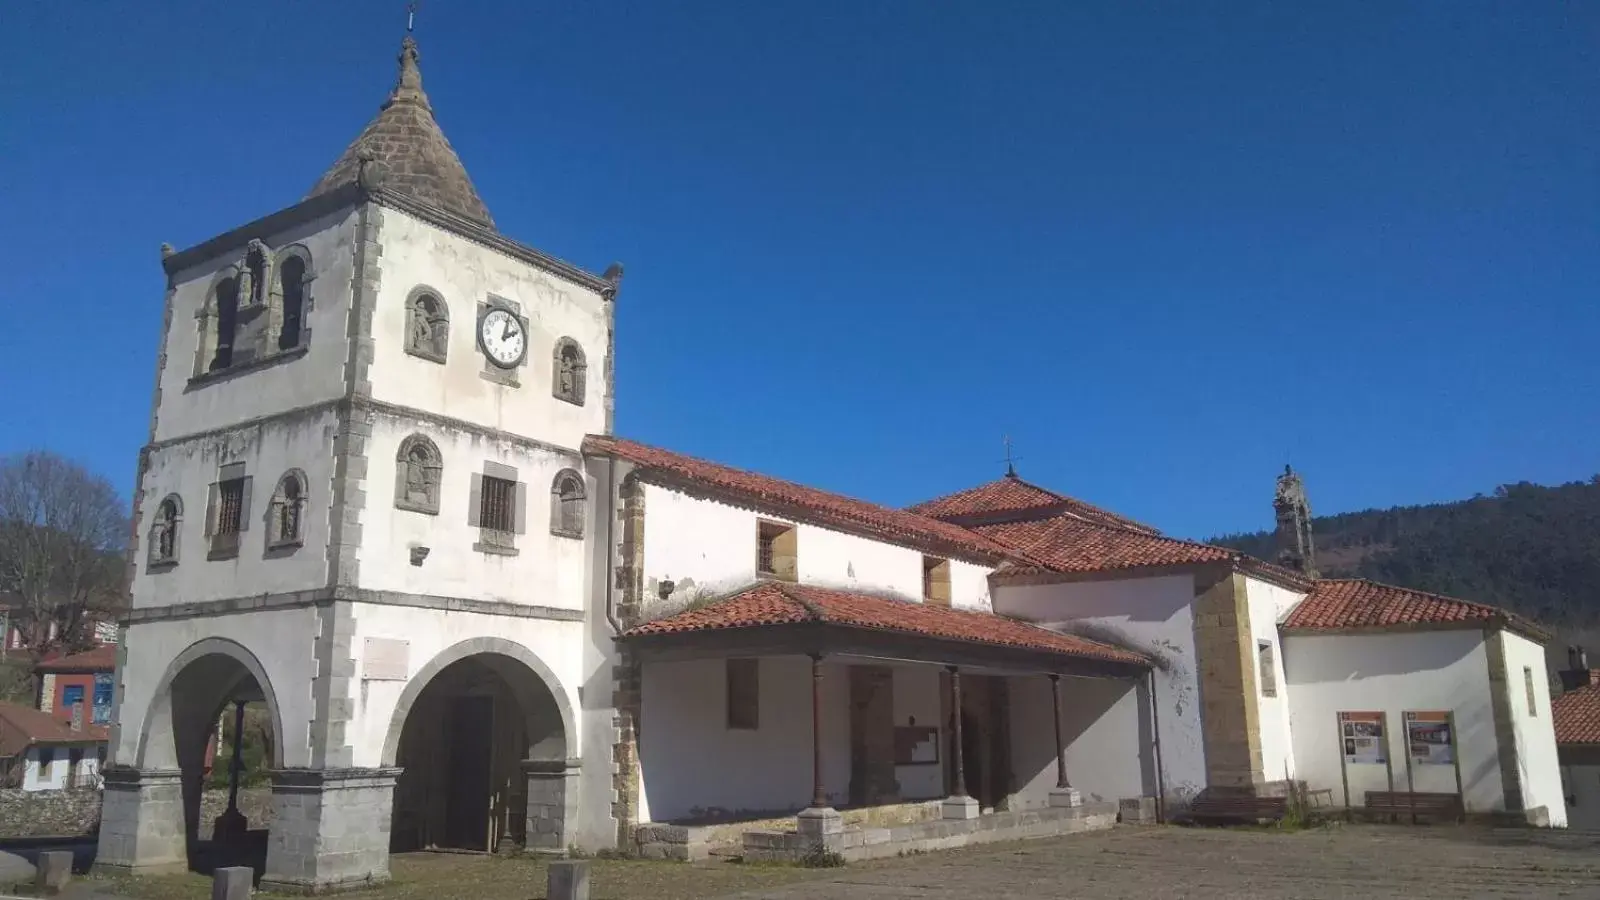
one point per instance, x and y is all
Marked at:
(1237, 810)
(1415, 804)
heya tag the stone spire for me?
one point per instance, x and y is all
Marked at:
(1295, 547)
(403, 149)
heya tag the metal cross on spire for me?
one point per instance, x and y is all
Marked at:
(1010, 461)
(411, 16)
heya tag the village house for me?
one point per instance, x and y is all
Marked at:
(38, 752)
(1576, 711)
(382, 496)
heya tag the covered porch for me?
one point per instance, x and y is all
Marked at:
(795, 701)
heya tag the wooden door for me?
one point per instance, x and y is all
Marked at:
(468, 773)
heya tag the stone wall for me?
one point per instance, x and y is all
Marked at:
(945, 834)
(73, 813)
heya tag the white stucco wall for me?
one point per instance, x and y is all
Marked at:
(1534, 728)
(315, 377)
(189, 468)
(429, 632)
(463, 274)
(1394, 673)
(36, 778)
(709, 547)
(1107, 734)
(1268, 603)
(1153, 616)
(282, 640)
(548, 570)
(916, 701)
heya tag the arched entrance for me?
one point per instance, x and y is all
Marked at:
(481, 738)
(213, 712)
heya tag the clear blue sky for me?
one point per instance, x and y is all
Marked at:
(1165, 246)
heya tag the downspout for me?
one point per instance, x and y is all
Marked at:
(1155, 746)
(611, 550)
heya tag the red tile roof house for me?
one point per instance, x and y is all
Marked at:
(1576, 712)
(40, 753)
(85, 678)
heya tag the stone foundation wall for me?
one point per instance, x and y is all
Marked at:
(945, 834)
(74, 813)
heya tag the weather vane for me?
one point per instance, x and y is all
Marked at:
(1010, 461)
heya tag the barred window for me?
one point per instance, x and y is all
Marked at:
(497, 509)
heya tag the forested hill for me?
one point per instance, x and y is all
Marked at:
(1527, 548)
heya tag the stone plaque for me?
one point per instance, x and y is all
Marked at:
(385, 659)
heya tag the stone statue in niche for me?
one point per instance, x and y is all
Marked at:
(569, 372)
(417, 476)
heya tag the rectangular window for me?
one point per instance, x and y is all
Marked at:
(47, 761)
(229, 511)
(935, 581)
(71, 695)
(775, 551)
(497, 508)
(1267, 669)
(744, 694)
(104, 691)
(1533, 697)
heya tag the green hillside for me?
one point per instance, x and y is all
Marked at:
(1528, 548)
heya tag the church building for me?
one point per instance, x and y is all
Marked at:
(383, 497)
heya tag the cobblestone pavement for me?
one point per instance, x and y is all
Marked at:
(1367, 862)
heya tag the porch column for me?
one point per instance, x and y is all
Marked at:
(1064, 794)
(958, 805)
(820, 822)
(232, 825)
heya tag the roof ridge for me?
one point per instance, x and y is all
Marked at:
(813, 612)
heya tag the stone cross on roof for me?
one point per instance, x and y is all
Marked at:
(406, 152)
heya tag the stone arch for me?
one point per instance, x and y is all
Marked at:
(157, 749)
(418, 474)
(480, 646)
(212, 318)
(427, 333)
(570, 371)
(166, 533)
(568, 499)
(291, 296)
(286, 519)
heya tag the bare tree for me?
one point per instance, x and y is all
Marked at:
(62, 528)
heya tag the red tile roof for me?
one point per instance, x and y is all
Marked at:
(1067, 544)
(1336, 604)
(1013, 495)
(787, 604)
(100, 659)
(1577, 715)
(821, 507)
(23, 726)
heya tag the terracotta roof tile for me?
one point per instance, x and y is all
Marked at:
(99, 659)
(819, 506)
(784, 604)
(1068, 544)
(23, 726)
(1341, 603)
(1577, 715)
(1013, 495)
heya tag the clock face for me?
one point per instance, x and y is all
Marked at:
(501, 334)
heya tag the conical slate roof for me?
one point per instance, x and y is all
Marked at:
(412, 154)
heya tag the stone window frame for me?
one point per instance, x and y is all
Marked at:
(168, 520)
(209, 323)
(442, 314)
(742, 707)
(568, 509)
(1267, 668)
(935, 581)
(496, 541)
(580, 374)
(432, 475)
(783, 539)
(294, 480)
(225, 544)
(278, 306)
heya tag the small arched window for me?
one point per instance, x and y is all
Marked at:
(164, 531)
(227, 317)
(570, 370)
(292, 291)
(567, 504)
(253, 290)
(417, 470)
(427, 325)
(286, 518)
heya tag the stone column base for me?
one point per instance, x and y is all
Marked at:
(1066, 797)
(330, 829)
(959, 808)
(552, 802)
(142, 830)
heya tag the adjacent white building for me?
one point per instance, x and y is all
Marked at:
(382, 496)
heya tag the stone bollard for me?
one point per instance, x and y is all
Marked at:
(54, 871)
(232, 882)
(568, 880)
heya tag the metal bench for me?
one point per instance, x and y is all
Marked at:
(1415, 804)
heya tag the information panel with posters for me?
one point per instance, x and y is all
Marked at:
(1362, 734)
(1429, 737)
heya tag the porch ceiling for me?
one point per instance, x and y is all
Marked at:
(774, 619)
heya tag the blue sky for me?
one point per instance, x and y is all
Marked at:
(1165, 246)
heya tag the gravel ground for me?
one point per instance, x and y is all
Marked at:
(1369, 862)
